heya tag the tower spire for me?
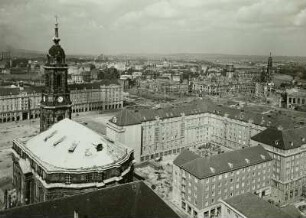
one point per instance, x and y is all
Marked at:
(56, 39)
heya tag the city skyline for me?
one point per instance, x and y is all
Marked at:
(165, 27)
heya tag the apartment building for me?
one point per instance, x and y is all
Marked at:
(19, 103)
(249, 205)
(223, 88)
(199, 183)
(94, 96)
(22, 104)
(288, 149)
(295, 98)
(154, 133)
(164, 86)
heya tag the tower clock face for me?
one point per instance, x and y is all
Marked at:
(60, 99)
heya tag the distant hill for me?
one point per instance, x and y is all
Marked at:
(25, 53)
(222, 58)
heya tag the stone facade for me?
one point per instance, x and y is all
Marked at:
(163, 136)
(25, 104)
(36, 183)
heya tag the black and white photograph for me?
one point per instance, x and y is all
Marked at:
(153, 108)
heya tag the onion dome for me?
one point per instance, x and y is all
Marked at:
(56, 54)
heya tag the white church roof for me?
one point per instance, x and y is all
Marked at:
(70, 145)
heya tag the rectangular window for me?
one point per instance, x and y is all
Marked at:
(68, 179)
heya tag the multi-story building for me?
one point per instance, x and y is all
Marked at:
(199, 183)
(249, 205)
(154, 133)
(288, 149)
(96, 96)
(21, 104)
(261, 90)
(223, 88)
(164, 86)
(295, 98)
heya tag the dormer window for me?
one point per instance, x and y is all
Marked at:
(212, 169)
(276, 142)
(230, 165)
(99, 147)
(247, 160)
(263, 156)
(303, 139)
(114, 119)
(291, 143)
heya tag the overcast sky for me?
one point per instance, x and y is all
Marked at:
(157, 26)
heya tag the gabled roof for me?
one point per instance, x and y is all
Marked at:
(205, 167)
(131, 117)
(282, 139)
(198, 107)
(292, 211)
(252, 206)
(126, 117)
(129, 200)
(184, 157)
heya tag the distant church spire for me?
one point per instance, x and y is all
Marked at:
(269, 69)
(56, 39)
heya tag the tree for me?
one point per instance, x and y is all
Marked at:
(109, 73)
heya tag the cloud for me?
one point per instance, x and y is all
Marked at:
(300, 19)
(94, 26)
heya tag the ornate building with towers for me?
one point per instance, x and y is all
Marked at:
(55, 102)
(65, 158)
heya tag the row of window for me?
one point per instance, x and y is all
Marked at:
(231, 174)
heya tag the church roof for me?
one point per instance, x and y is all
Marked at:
(70, 145)
(130, 200)
(57, 51)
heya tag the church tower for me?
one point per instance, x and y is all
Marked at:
(55, 102)
(269, 69)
